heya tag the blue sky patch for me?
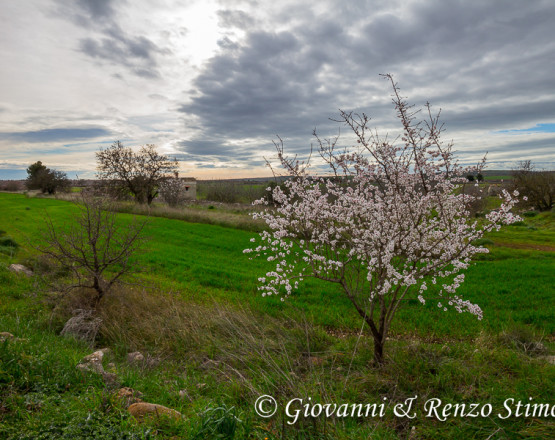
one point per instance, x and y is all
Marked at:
(538, 128)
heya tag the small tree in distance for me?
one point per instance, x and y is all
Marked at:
(172, 190)
(139, 173)
(94, 246)
(33, 172)
(47, 180)
(386, 226)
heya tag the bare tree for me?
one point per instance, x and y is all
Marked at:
(139, 173)
(94, 246)
(537, 186)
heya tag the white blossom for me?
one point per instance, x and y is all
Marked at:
(389, 219)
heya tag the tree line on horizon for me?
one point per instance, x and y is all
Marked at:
(145, 174)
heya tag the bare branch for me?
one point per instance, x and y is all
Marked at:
(94, 246)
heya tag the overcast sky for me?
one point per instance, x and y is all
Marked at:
(212, 82)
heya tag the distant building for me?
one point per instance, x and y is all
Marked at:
(190, 187)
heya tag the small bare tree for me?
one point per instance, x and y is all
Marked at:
(139, 173)
(537, 186)
(94, 246)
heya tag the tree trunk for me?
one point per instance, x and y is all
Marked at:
(97, 285)
(378, 350)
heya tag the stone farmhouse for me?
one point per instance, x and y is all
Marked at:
(190, 187)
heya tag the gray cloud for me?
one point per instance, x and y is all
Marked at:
(112, 44)
(137, 53)
(520, 148)
(204, 147)
(56, 134)
(88, 13)
(235, 19)
(495, 116)
(489, 65)
(98, 9)
(214, 149)
(263, 88)
(277, 68)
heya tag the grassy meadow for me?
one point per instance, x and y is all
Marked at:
(213, 344)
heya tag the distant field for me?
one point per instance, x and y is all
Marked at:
(504, 177)
(207, 261)
(434, 353)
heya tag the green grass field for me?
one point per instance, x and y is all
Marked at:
(203, 317)
(504, 177)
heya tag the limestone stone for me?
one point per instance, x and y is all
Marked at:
(92, 362)
(20, 268)
(140, 410)
(135, 357)
(128, 396)
(5, 335)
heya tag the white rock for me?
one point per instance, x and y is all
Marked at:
(92, 362)
(20, 268)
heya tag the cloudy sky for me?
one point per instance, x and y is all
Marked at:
(213, 81)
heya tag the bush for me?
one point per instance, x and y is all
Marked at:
(518, 223)
(221, 191)
(11, 185)
(482, 242)
(8, 241)
(8, 245)
(523, 339)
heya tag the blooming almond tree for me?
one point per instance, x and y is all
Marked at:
(389, 221)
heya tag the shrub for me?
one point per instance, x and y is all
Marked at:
(8, 242)
(8, 245)
(523, 339)
(11, 185)
(220, 191)
(518, 223)
(482, 242)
